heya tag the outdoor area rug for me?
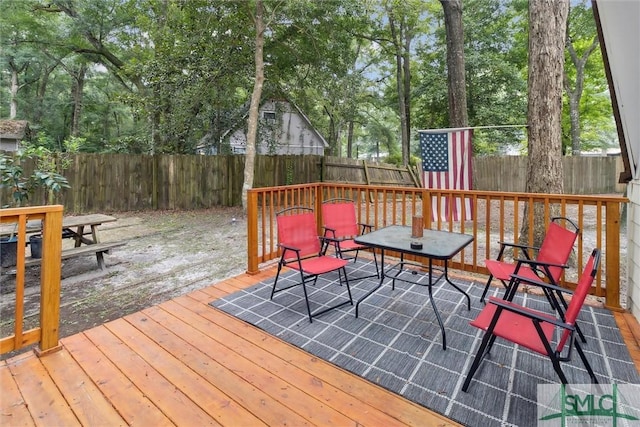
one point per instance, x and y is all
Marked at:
(396, 342)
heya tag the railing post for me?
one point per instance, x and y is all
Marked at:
(50, 280)
(252, 233)
(612, 257)
(426, 208)
(319, 198)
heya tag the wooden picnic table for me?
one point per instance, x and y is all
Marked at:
(72, 226)
(83, 229)
(75, 227)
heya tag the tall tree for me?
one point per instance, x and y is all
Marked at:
(394, 26)
(93, 28)
(581, 42)
(256, 95)
(404, 21)
(547, 31)
(495, 60)
(316, 59)
(401, 42)
(458, 116)
(78, 73)
(20, 32)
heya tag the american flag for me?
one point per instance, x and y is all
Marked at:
(446, 164)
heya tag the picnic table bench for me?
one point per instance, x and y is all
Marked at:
(98, 248)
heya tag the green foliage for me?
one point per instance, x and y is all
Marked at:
(49, 166)
(394, 159)
(22, 187)
(496, 83)
(290, 178)
(11, 177)
(270, 130)
(597, 126)
(167, 76)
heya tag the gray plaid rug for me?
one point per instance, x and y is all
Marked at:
(396, 343)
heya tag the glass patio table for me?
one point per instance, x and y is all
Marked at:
(433, 245)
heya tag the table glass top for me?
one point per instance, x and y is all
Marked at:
(435, 243)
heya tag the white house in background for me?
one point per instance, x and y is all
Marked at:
(282, 129)
(12, 133)
(618, 24)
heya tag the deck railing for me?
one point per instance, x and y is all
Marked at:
(495, 217)
(45, 334)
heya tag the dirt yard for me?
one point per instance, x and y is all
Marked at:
(167, 254)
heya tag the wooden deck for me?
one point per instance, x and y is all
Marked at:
(184, 363)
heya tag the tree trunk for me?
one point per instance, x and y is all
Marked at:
(13, 108)
(458, 116)
(575, 94)
(333, 134)
(77, 94)
(403, 112)
(40, 94)
(252, 123)
(406, 66)
(574, 120)
(397, 49)
(547, 30)
(350, 140)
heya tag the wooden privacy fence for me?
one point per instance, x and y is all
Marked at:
(130, 182)
(496, 216)
(582, 174)
(341, 169)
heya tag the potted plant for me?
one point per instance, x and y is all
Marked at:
(21, 187)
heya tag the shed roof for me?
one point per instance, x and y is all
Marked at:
(13, 129)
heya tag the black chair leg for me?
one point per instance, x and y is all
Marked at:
(558, 369)
(306, 299)
(342, 271)
(273, 290)
(476, 361)
(486, 288)
(586, 363)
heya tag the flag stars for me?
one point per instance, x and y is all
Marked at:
(435, 153)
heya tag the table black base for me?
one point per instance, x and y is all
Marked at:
(400, 268)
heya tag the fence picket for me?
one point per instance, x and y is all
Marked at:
(128, 182)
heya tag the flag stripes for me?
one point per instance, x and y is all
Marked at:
(446, 165)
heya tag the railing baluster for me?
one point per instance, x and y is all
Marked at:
(374, 208)
(46, 333)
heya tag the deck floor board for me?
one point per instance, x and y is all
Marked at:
(183, 362)
(83, 396)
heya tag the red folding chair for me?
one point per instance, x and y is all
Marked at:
(536, 330)
(549, 261)
(302, 250)
(341, 226)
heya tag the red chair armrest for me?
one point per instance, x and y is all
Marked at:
(365, 227)
(552, 287)
(535, 263)
(530, 313)
(524, 248)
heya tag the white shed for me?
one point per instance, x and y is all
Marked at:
(12, 132)
(283, 129)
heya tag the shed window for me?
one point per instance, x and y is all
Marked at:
(269, 116)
